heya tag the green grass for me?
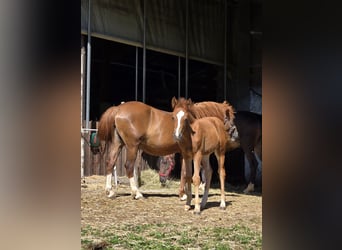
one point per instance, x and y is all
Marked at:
(166, 236)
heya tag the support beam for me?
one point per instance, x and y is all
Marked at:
(144, 57)
(225, 53)
(88, 66)
(136, 72)
(179, 76)
(186, 48)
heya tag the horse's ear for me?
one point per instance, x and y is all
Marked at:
(230, 113)
(189, 102)
(173, 102)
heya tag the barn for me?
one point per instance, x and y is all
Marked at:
(152, 50)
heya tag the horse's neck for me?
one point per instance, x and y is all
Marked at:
(206, 109)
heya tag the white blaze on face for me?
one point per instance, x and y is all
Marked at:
(179, 115)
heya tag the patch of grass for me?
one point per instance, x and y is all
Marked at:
(166, 236)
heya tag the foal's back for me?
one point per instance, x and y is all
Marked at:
(209, 135)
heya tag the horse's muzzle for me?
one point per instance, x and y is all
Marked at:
(177, 138)
(234, 135)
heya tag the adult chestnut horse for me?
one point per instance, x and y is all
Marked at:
(136, 125)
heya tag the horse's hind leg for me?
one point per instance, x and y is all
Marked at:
(114, 151)
(129, 165)
(253, 164)
(207, 171)
(222, 173)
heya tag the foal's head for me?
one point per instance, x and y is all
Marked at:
(181, 116)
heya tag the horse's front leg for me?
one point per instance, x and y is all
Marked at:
(197, 180)
(129, 165)
(182, 194)
(208, 172)
(188, 177)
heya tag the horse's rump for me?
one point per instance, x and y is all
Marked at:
(107, 124)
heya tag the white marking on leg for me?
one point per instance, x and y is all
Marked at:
(180, 114)
(109, 190)
(115, 177)
(202, 186)
(183, 198)
(134, 188)
(223, 204)
(109, 182)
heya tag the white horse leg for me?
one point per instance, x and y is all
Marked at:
(196, 181)
(222, 181)
(135, 191)
(109, 190)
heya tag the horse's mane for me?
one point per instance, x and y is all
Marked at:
(206, 109)
(106, 124)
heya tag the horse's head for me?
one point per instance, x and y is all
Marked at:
(181, 116)
(229, 122)
(166, 165)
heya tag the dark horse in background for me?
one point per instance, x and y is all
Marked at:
(249, 127)
(165, 165)
(136, 125)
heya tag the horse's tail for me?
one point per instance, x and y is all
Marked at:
(106, 127)
(107, 124)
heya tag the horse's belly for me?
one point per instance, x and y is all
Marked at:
(159, 149)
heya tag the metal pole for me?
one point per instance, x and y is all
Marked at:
(88, 67)
(144, 55)
(225, 52)
(186, 48)
(82, 80)
(136, 73)
(179, 76)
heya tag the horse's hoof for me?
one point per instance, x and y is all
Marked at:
(223, 208)
(249, 189)
(138, 197)
(110, 194)
(197, 212)
(186, 207)
(183, 198)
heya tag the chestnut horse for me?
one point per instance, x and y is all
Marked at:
(139, 126)
(206, 135)
(249, 129)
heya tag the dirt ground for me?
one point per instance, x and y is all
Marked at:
(162, 205)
